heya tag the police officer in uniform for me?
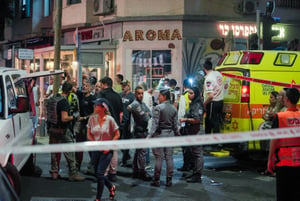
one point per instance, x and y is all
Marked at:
(164, 124)
(284, 154)
(141, 115)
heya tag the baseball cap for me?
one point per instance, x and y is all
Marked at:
(101, 101)
(92, 80)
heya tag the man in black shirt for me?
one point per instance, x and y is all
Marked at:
(86, 107)
(61, 133)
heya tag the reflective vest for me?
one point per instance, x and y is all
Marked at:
(187, 100)
(288, 153)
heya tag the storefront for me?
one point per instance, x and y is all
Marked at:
(150, 51)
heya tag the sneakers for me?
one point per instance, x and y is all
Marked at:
(112, 192)
(76, 177)
(148, 166)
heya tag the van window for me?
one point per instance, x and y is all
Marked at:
(233, 59)
(285, 59)
(20, 86)
(11, 98)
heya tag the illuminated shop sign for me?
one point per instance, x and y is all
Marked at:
(141, 35)
(238, 30)
(244, 30)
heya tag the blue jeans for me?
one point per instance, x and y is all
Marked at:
(101, 162)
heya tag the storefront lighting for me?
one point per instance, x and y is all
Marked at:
(49, 65)
(239, 30)
(34, 66)
(74, 65)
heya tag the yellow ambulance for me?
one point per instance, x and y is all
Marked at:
(246, 100)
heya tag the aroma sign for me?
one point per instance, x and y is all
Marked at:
(140, 35)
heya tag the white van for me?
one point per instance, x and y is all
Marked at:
(16, 126)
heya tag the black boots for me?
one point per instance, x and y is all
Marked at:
(155, 182)
(195, 178)
(142, 175)
(169, 181)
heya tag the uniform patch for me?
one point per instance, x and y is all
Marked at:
(293, 121)
(208, 84)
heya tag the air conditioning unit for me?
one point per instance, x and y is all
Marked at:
(103, 7)
(250, 6)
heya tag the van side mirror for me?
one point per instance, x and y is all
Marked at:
(22, 105)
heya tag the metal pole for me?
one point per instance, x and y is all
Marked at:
(258, 28)
(57, 30)
(13, 56)
(79, 75)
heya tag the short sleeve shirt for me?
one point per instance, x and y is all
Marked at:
(106, 131)
(214, 84)
(62, 106)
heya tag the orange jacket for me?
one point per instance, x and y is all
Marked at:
(288, 152)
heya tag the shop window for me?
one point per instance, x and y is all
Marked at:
(70, 2)
(150, 66)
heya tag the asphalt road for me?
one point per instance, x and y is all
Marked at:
(223, 180)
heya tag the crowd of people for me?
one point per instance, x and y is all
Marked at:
(102, 110)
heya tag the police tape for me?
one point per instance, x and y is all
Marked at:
(262, 81)
(176, 141)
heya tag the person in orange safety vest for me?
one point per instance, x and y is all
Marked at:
(284, 154)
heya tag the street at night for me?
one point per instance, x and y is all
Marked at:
(223, 180)
(218, 81)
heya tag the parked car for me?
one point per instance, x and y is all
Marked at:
(16, 126)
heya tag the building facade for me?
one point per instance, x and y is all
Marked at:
(141, 39)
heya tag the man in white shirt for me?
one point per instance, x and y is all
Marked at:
(213, 98)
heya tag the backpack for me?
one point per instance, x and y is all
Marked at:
(51, 108)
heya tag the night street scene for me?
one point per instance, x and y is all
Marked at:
(139, 100)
